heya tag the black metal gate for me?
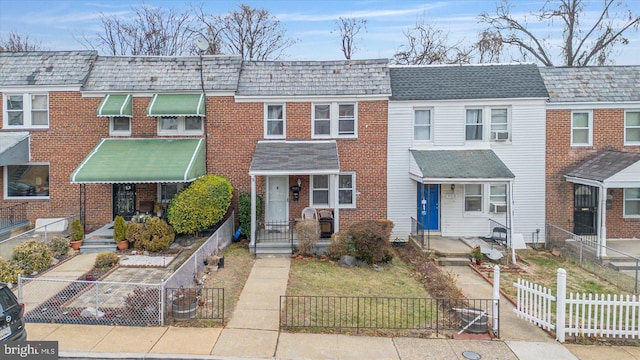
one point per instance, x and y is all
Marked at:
(124, 200)
(585, 209)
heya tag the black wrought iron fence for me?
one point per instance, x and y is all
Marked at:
(276, 232)
(195, 303)
(417, 231)
(417, 314)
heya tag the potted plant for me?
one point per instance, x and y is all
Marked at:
(120, 233)
(476, 254)
(77, 234)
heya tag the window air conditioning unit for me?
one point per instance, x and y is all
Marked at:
(500, 135)
(498, 208)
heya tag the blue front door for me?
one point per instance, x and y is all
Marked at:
(428, 199)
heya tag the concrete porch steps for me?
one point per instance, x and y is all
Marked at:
(453, 261)
(98, 245)
(273, 249)
(622, 265)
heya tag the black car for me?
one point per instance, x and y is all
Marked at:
(11, 316)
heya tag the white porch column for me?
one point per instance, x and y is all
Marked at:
(253, 210)
(336, 203)
(602, 220)
(511, 223)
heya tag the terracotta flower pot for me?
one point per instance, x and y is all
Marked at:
(75, 245)
(123, 245)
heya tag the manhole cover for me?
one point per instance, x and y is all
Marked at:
(471, 355)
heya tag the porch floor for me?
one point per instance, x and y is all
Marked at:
(626, 246)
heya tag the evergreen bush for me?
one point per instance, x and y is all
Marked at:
(77, 230)
(106, 260)
(119, 229)
(159, 235)
(244, 212)
(31, 256)
(136, 235)
(59, 246)
(201, 205)
(370, 241)
(8, 271)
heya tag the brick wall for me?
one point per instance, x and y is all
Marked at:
(608, 134)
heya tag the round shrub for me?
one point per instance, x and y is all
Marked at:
(136, 235)
(59, 246)
(106, 260)
(31, 256)
(341, 244)
(119, 229)
(370, 241)
(202, 204)
(159, 235)
(244, 212)
(8, 272)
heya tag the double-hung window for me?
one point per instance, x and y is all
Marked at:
(632, 202)
(320, 190)
(581, 128)
(474, 128)
(26, 180)
(422, 125)
(120, 126)
(180, 125)
(26, 110)
(632, 128)
(499, 124)
(346, 190)
(498, 198)
(332, 120)
(274, 121)
(169, 190)
(473, 198)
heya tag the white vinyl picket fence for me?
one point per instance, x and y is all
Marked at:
(600, 315)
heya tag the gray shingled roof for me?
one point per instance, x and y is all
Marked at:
(461, 164)
(42, 68)
(466, 82)
(300, 78)
(594, 83)
(295, 157)
(163, 73)
(604, 165)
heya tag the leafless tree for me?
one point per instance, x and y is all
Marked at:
(427, 45)
(15, 42)
(150, 31)
(253, 33)
(209, 27)
(347, 28)
(489, 47)
(581, 45)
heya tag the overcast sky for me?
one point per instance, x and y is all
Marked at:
(55, 22)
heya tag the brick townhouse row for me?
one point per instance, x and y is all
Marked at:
(106, 136)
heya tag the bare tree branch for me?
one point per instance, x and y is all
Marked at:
(580, 47)
(347, 29)
(15, 42)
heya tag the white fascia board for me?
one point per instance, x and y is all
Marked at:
(593, 105)
(582, 181)
(464, 180)
(311, 98)
(293, 173)
(39, 88)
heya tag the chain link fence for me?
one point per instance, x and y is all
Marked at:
(90, 302)
(41, 233)
(584, 251)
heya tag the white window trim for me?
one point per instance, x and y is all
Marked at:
(624, 207)
(509, 131)
(312, 188)
(284, 121)
(334, 119)
(113, 132)
(6, 184)
(413, 129)
(181, 124)
(26, 111)
(353, 191)
(630, 143)
(483, 209)
(590, 125)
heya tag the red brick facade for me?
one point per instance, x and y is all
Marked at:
(232, 129)
(608, 134)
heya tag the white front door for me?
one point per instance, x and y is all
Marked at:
(277, 209)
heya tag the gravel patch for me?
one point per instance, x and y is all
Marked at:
(145, 260)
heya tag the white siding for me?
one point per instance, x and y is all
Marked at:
(524, 155)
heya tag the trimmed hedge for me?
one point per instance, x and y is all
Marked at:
(31, 256)
(201, 205)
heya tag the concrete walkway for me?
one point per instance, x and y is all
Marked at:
(253, 332)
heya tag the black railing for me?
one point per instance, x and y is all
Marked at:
(417, 231)
(13, 215)
(195, 303)
(276, 232)
(320, 313)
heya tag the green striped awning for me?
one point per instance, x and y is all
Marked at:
(117, 161)
(115, 105)
(177, 105)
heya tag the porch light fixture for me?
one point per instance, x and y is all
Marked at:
(453, 187)
(299, 182)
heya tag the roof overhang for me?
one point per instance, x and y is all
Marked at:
(14, 148)
(122, 161)
(177, 105)
(458, 166)
(295, 158)
(609, 169)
